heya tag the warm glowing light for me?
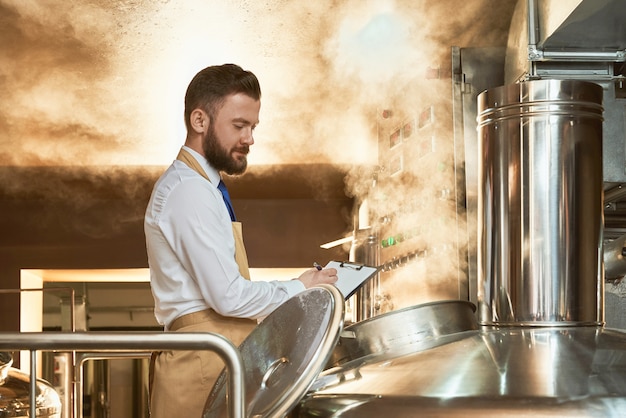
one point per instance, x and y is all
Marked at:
(143, 275)
(337, 242)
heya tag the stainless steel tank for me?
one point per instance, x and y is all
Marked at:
(15, 393)
(541, 348)
(540, 216)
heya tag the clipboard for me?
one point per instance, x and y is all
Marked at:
(351, 276)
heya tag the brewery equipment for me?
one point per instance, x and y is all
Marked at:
(15, 387)
(549, 114)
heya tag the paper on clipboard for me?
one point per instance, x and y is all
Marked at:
(351, 276)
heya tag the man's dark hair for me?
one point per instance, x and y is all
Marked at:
(208, 89)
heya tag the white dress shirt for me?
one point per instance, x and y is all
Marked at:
(191, 251)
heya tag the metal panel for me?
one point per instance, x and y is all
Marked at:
(474, 70)
(606, 17)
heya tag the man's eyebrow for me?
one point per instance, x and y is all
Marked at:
(244, 120)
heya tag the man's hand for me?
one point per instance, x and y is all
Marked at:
(314, 277)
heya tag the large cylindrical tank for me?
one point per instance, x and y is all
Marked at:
(540, 204)
(15, 393)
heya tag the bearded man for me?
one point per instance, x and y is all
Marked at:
(198, 267)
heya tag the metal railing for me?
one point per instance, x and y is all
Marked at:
(128, 342)
(82, 358)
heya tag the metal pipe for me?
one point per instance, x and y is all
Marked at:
(33, 384)
(533, 27)
(585, 56)
(366, 252)
(140, 341)
(81, 358)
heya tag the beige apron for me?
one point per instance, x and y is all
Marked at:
(240, 250)
(180, 381)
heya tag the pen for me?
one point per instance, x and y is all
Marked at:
(317, 266)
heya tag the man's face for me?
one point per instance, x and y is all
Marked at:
(228, 139)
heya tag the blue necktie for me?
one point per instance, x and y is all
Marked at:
(226, 197)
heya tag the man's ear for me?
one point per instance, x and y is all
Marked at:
(199, 121)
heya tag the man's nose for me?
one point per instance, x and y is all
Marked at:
(248, 137)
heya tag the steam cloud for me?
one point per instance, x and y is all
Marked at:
(100, 82)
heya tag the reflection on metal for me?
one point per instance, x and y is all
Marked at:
(15, 389)
(576, 39)
(138, 341)
(285, 353)
(399, 331)
(571, 371)
(540, 217)
(614, 263)
(63, 385)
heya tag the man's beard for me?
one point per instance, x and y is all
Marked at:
(221, 158)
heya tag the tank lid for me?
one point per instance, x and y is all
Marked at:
(285, 353)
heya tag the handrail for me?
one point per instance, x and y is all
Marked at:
(141, 341)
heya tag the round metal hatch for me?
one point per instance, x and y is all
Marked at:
(400, 331)
(284, 354)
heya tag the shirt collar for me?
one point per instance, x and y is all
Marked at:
(212, 173)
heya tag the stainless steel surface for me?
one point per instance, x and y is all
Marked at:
(470, 77)
(81, 358)
(542, 279)
(569, 371)
(614, 262)
(576, 39)
(540, 210)
(400, 331)
(15, 390)
(614, 194)
(540, 204)
(139, 341)
(285, 353)
(365, 250)
(566, 31)
(572, 37)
